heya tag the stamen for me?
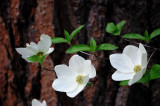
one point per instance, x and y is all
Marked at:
(80, 79)
(39, 54)
(137, 68)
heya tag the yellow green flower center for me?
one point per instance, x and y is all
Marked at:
(137, 68)
(39, 54)
(80, 79)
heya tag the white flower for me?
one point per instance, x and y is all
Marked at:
(73, 78)
(35, 102)
(40, 49)
(131, 64)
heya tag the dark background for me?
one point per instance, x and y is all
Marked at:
(23, 21)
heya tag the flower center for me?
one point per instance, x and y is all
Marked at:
(39, 54)
(137, 68)
(80, 79)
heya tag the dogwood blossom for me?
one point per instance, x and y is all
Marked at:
(131, 64)
(35, 102)
(41, 49)
(73, 78)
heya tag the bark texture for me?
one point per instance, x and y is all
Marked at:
(23, 21)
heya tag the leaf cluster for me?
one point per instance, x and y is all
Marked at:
(115, 29)
(68, 37)
(147, 38)
(92, 48)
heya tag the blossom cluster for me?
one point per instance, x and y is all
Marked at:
(130, 65)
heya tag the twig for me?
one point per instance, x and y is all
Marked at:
(151, 55)
(48, 69)
(143, 44)
(98, 58)
(89, 54)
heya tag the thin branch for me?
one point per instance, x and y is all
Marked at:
(86, 53)
(48, 69)
(143, 44)
(151, 55)
(89, 54)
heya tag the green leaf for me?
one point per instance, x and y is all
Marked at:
(93, 45)
(155, 72)
(58, 40)
(119, 27)
(78, 48)
(147, 37)
(155, 33)
(36, 58)
(145, 78)
(110, 28)
(33, 58)
(76, 31)
(133, 36)
(41, 59)
(106, 46)
(89, 84)
(125, 82)
(67, 36)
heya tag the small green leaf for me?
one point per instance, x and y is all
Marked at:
(119, 27)
(145, 78)
(110, 28)
(67, 36)
(35, 58)
(41, 59)
(76, 31)
(133, 36)
(78, 48)
(147, 37)
(89, 84)
(155, 72)
(125, 82)
(155, 33)
(58, 40)
(106, 46)
(93, 45)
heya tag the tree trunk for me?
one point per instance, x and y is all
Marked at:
(23, 21)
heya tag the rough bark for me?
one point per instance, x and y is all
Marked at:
(23, 21)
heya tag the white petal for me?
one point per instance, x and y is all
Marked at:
(144, 60)
(142, 55)
(34, 45)
(79, 88)
(43, 36)
(44, 103)
(64, 84)
(118, 76)
(131, 51)
(122, 63)
(92, 72)
(35, 102)
(45, 43)
(76, 63)
(142, 49)
(49, 51)
(86, 68)
(24, 52)
(63, 71)
(33, 49)
(137, 76)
